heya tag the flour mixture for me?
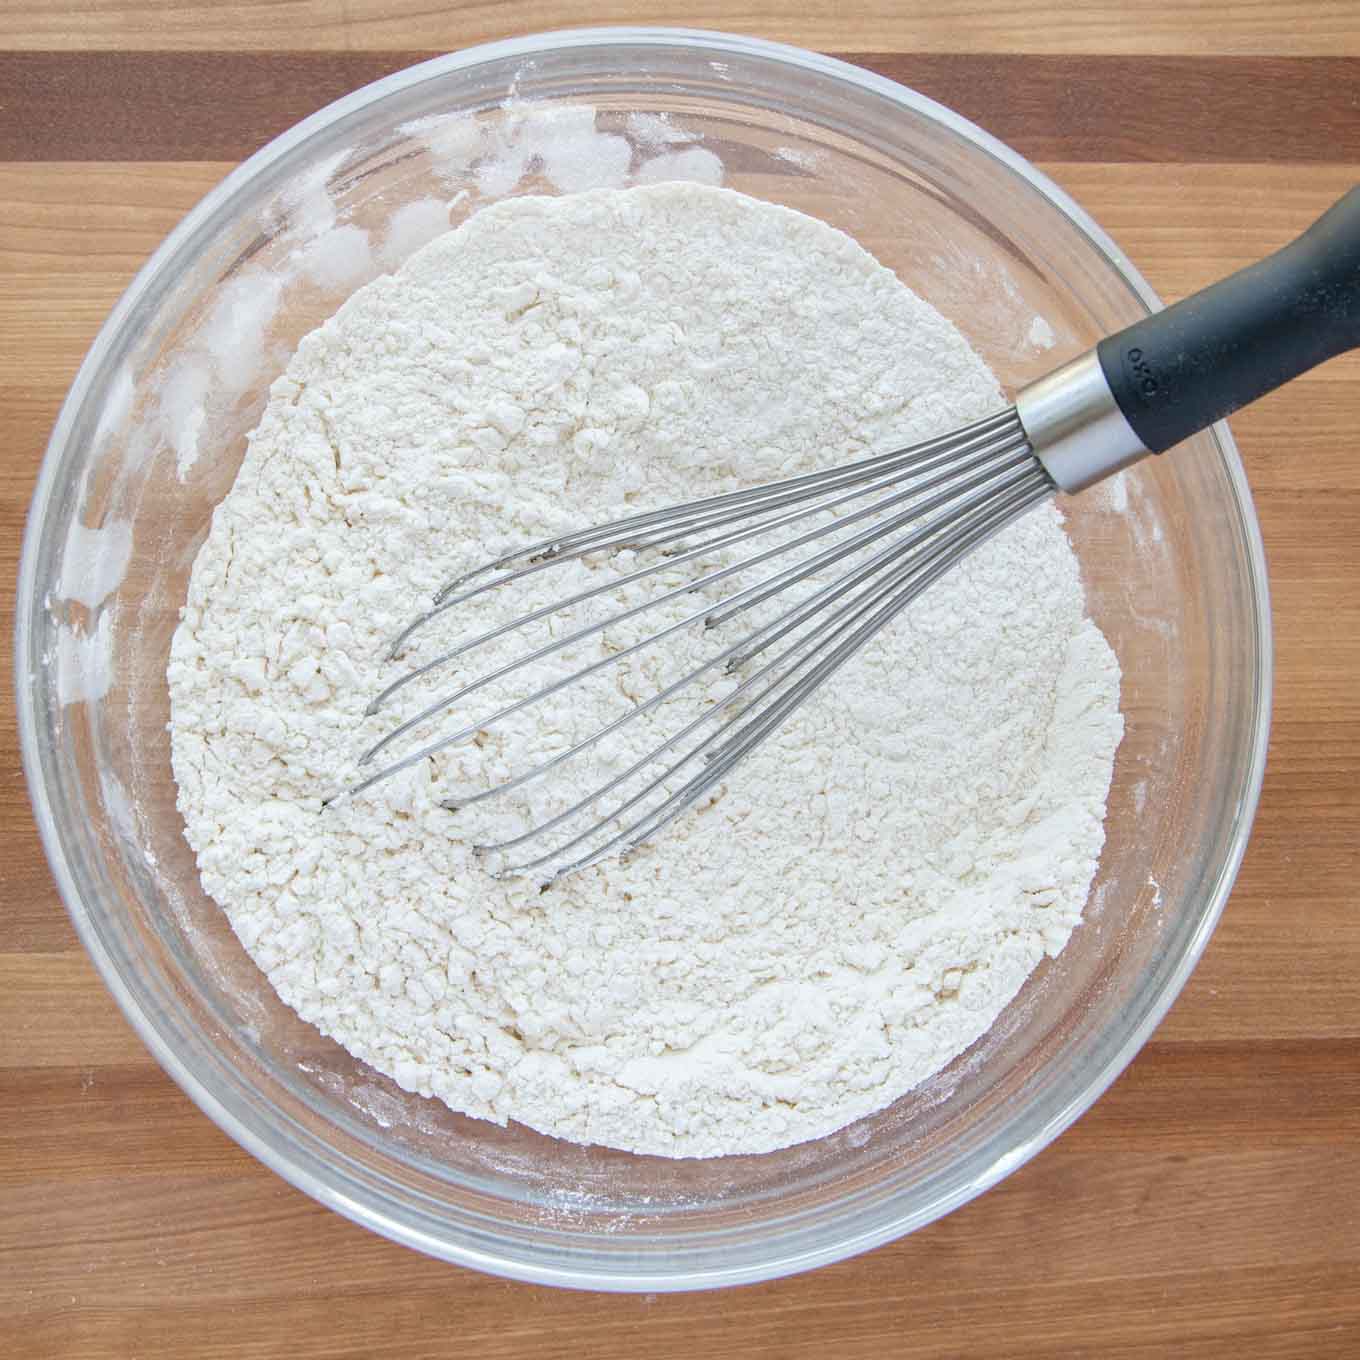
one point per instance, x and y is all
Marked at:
(863, 896)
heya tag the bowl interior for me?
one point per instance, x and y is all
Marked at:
(151, 439)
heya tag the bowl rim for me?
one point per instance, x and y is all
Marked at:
(290, 1168)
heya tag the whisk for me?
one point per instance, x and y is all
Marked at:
(888, 526)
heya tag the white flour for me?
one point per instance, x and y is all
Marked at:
(865, 894)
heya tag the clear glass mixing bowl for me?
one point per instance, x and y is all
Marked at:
(1171, 555)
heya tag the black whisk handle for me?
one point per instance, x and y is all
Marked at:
(1179, 370)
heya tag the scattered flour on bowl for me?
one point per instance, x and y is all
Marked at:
(864, 895)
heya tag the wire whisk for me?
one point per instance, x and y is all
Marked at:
(839, 554)
(893, 523)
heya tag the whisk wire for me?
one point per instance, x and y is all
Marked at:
(721, 761)
(958, 464)
(827, 557)
(650, 758)
(731, 658)
(934, 502)
(735, 653)
(992, 462)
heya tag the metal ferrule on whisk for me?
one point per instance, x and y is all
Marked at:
(1075, 426)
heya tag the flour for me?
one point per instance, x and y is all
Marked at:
(861, 898)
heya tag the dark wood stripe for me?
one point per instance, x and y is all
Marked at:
(144, 106)
(1161, 109)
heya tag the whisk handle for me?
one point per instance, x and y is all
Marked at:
(1176, 372)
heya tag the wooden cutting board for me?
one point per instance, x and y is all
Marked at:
(1208, 1206)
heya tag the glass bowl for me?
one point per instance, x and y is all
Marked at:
(149, 441)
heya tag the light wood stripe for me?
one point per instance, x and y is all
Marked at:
(1266, 27)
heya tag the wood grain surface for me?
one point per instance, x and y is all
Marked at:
(1209, 1205)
